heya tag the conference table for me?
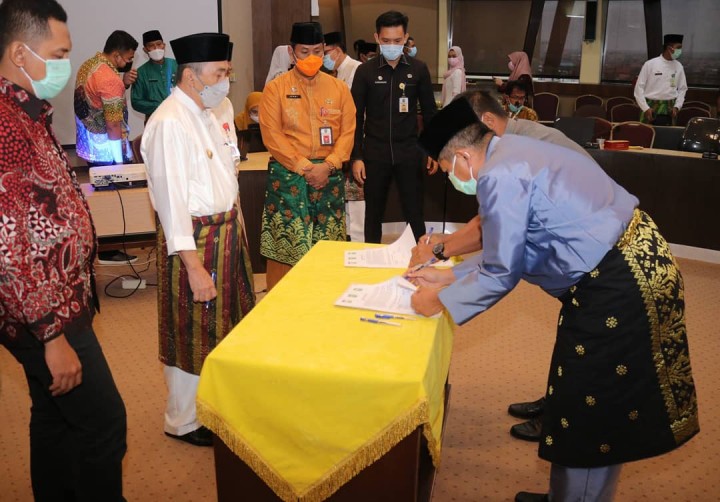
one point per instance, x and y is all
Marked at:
(309, 403)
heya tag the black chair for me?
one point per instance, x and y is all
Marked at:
(579, 129)
(702, 134)
(668, 137)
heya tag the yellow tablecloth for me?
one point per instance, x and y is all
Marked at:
(308, 396)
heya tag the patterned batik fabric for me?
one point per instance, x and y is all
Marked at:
(99, 98)
(620, 386)
(47, 238)
(296, 216)
(353, 191)
(659, 107)
(188, 330)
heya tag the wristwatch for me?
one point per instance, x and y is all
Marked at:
(438, 250)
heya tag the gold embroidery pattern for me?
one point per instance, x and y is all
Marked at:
(560, 321)
(611, 322)
(573, 289)
(559, 371)
(550, 390)
(580, 350)
(633, 415)
(605, 448)
(621, 370)
(575, 302)
(590, 401)
(565, 424)
(548, 440)
(661, 286)
(595, 273)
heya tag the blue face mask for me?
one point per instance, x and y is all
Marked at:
(513, 108)
(412, 52)
(468, 187)
(57, 74)
(677, 53)
(391, 52)
(328, 62)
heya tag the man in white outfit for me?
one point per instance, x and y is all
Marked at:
(201, 250)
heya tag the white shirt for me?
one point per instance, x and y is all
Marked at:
(190, 168)
(452, 86)
(661, 79)
(280, 62)
(346, 70)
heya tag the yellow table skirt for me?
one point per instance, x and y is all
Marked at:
(308, 396)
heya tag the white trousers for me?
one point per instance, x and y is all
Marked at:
(577, 484)
(180, 413)
(355, 220)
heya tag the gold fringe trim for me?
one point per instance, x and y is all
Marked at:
(342, 472)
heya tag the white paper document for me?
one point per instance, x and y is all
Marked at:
(392, 296)
(395, 255)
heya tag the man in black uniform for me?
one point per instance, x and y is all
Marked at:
(386, 91)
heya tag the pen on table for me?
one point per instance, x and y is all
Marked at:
(391, 316)
(377, 321)
(213, 276)
(427, 241)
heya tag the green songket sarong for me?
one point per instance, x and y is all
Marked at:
(296, 215)
(659, 107)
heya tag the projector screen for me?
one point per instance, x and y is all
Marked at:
(91, 22)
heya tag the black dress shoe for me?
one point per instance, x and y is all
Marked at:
(198, 437)
(531, 497)
(527, 410)
(528, 431)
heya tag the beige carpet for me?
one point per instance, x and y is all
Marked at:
(500, 357)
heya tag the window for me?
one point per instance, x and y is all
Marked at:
(558, 48)
(699, 22)
(625, 48)
(487, 31)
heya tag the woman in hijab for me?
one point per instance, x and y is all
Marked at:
(454, 82)
(519, 65)
(245, 119)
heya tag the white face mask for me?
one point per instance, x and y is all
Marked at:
(212, 95)
(255, 117)
(157, 54)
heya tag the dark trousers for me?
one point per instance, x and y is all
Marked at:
(77, 440)
(409, 181)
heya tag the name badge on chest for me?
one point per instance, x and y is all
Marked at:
(326, 136)
(404, 105)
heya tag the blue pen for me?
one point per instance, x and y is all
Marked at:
(427, 241)
(376, 321)
(391, 316)
(213, 276)
(420, 267)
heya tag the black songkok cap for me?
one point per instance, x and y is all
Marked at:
(333, 38)
(306, 34)
(230, 48)
(368, 47)
(445, 124)
(672, 39)
(151, 36)
(201, 48)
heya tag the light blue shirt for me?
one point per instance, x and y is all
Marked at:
(549, 215)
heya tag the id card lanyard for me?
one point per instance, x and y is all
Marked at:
(404, 103)
(235, 152)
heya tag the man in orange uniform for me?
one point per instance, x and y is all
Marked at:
(307, 119)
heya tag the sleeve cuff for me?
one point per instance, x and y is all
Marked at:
(300, 164)
(180, 244)
(334, 161)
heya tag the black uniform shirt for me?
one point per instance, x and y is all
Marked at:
(383, 132)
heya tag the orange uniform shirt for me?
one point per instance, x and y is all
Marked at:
(294, 111)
